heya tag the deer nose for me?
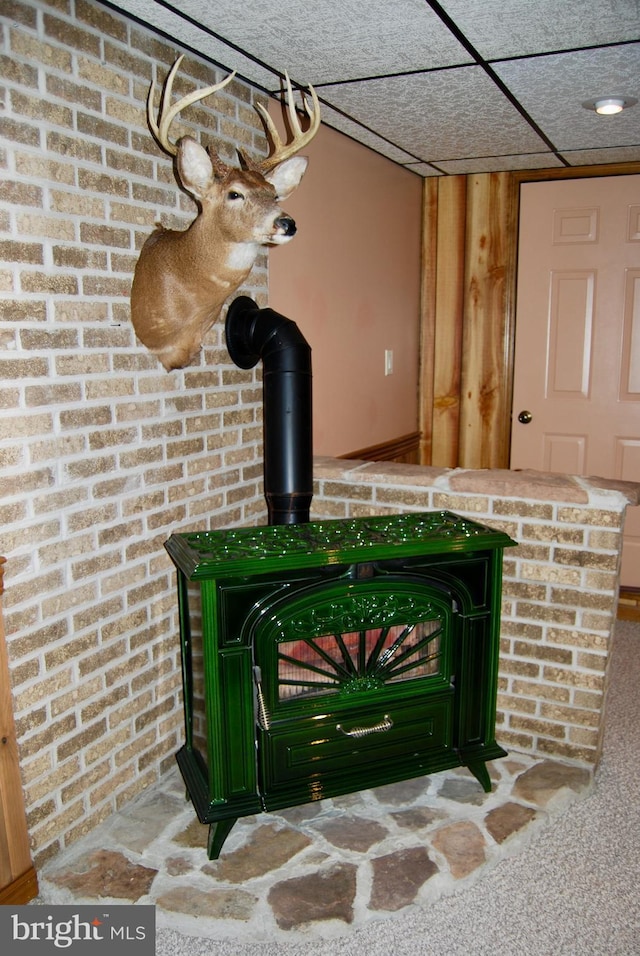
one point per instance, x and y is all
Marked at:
(285, 226)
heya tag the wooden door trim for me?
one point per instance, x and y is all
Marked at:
(426, 373)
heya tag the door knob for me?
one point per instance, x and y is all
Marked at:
(525, 417)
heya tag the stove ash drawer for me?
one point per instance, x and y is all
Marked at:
(315, 758)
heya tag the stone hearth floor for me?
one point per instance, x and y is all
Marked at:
(319, 870)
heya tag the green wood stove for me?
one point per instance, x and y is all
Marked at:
(332, 656)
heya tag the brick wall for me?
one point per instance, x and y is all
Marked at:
(560, 586)
(102, 453)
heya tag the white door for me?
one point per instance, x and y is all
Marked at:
(577, 357)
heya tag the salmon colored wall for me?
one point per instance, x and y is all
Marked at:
(350, 279)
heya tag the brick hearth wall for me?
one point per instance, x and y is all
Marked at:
(560, 587)
(103, 453)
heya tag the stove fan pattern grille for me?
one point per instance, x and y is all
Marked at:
(357, 661)
(373, 639)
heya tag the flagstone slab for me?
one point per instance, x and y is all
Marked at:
(268, 848)
(215, 904)
(502, 822)
(107, 874)
(541, 783)
(398, 877)
(417, 818)
(325, 895)
(353, 833)
(463, 845)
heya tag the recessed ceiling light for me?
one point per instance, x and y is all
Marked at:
(610, 105)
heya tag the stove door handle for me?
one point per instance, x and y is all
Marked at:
(385, 724)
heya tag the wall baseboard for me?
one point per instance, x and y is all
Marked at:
(21, 890)
(629, 604)
(405, 449)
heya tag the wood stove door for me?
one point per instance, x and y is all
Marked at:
(354, 686)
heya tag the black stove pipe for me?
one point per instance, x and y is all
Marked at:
(254, 334)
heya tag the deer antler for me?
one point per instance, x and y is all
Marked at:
(183, 278)
(281, 151)
(167, 113)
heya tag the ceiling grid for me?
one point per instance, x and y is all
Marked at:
(442, 87)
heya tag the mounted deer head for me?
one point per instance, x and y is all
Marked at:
(182, 279)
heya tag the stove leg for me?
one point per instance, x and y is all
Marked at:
(218, 833)
(480, 772)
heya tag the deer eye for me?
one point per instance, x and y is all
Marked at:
(234, 194)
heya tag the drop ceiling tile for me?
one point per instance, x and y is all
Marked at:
(449, 114)
(495, 164)
(552, 89)
(187, 35)
(501, 28)
(345, 125)
(595, 157)
(321, 41)
(424, 170)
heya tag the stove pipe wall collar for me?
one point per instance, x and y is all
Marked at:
(253, 334)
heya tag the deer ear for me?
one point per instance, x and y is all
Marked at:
(287, 175)
(194, 167)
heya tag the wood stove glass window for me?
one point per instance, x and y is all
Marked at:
(359, 660)
(350, 638)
